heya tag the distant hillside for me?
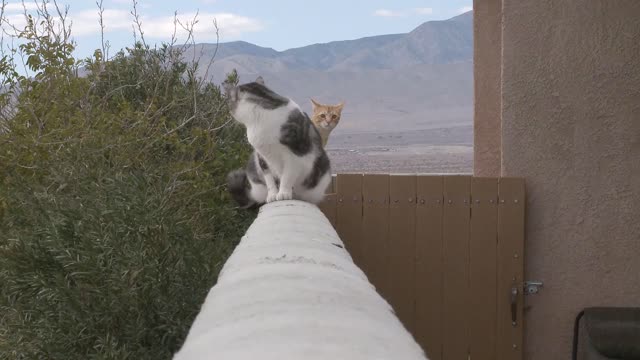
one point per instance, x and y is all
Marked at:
(421, 79)
(434, 42)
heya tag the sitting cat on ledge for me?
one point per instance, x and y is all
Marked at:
(288, 161)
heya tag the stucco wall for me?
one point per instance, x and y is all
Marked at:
(571, 128)
(291, 291)
(487, 44)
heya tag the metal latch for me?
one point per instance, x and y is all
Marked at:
(532, 287)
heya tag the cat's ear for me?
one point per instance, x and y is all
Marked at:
(340, 105)
(315, 103)
(230, 90)
(260, 80)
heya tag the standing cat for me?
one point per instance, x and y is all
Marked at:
(326, 118)
(288, 161)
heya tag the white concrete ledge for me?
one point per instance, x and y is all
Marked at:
(291, 291)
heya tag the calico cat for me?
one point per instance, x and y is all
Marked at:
(326, 118)
(288, 161)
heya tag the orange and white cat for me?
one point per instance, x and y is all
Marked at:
(326, 118)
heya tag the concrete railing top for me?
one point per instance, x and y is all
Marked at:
(291, 291)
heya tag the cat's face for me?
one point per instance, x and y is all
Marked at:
(326, 116)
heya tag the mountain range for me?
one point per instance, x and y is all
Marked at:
(399, 82)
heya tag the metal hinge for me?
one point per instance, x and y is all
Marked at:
(532, 287)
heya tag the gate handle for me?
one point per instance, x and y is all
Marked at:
(514, 305)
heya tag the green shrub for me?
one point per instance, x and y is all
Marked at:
(114, 219)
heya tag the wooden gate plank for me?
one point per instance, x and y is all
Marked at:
(483, 268)
(330, 189)
(328, 207)
(429, 265)
(349, 213)
(402, 211)
(456, 267)
(511, 217)
(375, 230)
(334, 183)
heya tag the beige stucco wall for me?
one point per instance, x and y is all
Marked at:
(487, 42)
(571, 128)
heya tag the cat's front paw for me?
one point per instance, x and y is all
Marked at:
(284, 195)
(272, 196)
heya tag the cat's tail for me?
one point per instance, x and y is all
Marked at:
(240, 189)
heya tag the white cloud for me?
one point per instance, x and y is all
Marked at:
(16, 20)
(387, 13)
(424, 11)
(162, 27)
(18, 6)
(230, 25)
(464, 9)
(86, 23)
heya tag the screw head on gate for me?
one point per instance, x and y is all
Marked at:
(502, 201)
(514, 346)
(515, 256)
(421, 201)
(450, 201)
(515, 201)
(410, 200)
(477, 201)
(340, 200)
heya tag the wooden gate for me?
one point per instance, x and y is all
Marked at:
(445, 251)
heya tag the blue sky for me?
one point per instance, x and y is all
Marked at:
(280, 24)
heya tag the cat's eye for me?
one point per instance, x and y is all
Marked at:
(323, 116)
(333, 117)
